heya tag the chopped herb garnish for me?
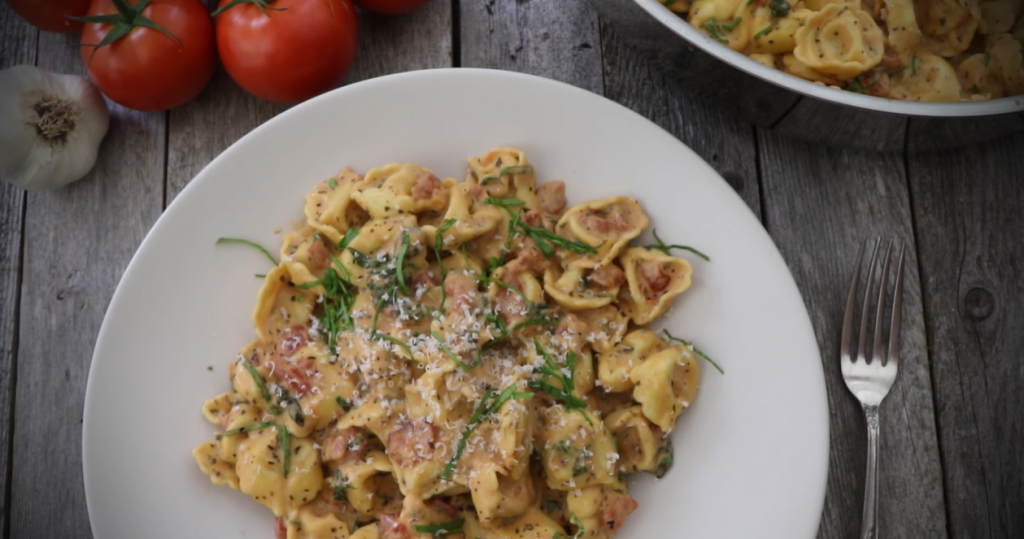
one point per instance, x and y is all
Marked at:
(439, 530)
(399, 269)
(975, 89)
(717, 29)
(438, 244)
(550, 506)
(261, 275)
(337, 301)
(350, 235)
(210, 368)
(262, 385)
(504, 201)
(985, 59)
(568, 382)
(332, 183)
(295, 412)
(250, 244)
(397, 342)
(764, 31)
(780, 8)
(913, 65)
(665, 458)
(660, 246)
(285, 439)
(389, 296)
(695, 350)
(300, 299)
(514, 169)
(544, 238)
(487, 406)
(580, 530)
(247, 428)
(344, 404)
(451, 355)
(338, 486)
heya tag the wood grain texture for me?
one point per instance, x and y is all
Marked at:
(723, 141)
(820, 205)
(78, 240)
(967, 207)
(554, 39)
(18, 43)
(224, 113)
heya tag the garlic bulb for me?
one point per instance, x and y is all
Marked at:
(51, 127)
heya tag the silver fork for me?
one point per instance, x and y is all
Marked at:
(870, 381)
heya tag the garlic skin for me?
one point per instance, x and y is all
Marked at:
(51, 127)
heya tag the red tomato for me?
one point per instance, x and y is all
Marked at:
(51, 15)
(391, 7)
(147, 69)
(296, 50)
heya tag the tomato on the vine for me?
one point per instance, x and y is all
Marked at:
(288, 50)
(391, 7)
(149, 55)
(51, 15)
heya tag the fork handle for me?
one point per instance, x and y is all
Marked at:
(869, 524)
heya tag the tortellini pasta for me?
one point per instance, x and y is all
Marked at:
(439, 358)
(911, 50)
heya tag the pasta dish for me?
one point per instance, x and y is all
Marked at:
(914, 50)
(468, 359)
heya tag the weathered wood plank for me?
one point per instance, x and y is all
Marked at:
(820, 205)
(554, 39)
(223, 113)
(723, 141)
(78, 240)
(18, 43)
(967, 211)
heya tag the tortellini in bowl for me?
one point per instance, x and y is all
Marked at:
(435, 358)
(908, 50)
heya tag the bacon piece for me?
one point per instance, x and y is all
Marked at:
(291, 339)
(411, 443)
(392, 528)
(346, 442)
(444, 505)
(654, 277)
(319, 256)
(425, 187)
(551, 198)
(616, 507)
(536, 219)
(609, 276)
(605, 224)
(461, 289)
(280, 528)
(876, 82)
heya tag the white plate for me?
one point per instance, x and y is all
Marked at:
(751, 453)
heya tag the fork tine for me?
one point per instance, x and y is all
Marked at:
(867, 302)
(876, 350)
(897, 311)
(851, 304)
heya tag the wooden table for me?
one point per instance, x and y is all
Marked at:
(952, 452)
